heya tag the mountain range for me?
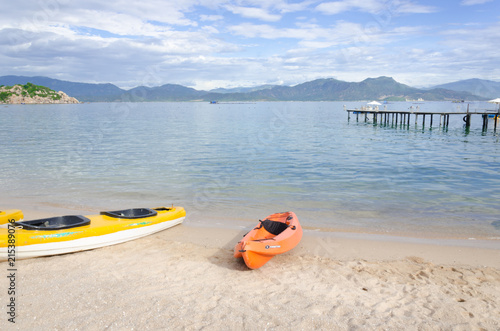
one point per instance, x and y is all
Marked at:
(381, 88)
(484, 88)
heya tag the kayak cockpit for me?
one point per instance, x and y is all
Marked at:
(131, 213)
(55, 223)
(274, 227)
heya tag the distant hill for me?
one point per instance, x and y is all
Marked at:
(381, 88)
(242, 89)
(167, 92)
(484, 88)
(82, 91)
(31, 93)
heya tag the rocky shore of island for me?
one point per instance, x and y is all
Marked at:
(33, 94)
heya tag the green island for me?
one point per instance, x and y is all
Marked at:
(31, 93)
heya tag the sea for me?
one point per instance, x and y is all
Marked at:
(236, 163)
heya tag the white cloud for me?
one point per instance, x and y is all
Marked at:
(314, 36)
(315, 44)
(265, 10)
(373, 7)
(409, 7)
(211, 18)
(477, 47)
(337, 7)
(253, 12)
(474, 2)
(281, 6)
(168, 12)
(341, 32)
(288, 7)
(116, 23)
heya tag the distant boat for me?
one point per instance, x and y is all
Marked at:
(214, 102)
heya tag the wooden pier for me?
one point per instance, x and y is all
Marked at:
(402, 117)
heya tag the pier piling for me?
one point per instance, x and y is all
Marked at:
(403, 118)
(485, 122)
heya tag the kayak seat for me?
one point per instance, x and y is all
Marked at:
(274, 227)
(131, 213)
(55, 223)
(163, 209)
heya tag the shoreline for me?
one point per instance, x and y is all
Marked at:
(223, 224)
(34, 209)
(322, 242)
(41, 209)
(352, 246)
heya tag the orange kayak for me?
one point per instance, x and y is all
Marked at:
(277, 234)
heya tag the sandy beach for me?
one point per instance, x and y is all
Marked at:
(186, 278)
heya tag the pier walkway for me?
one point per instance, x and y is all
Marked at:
(403, 116)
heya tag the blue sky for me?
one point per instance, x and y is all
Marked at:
(207, 44)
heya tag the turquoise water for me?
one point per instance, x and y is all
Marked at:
(245, 161)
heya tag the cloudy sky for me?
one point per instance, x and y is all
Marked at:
(206, 44)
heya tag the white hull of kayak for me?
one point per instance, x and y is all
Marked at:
(82, 244)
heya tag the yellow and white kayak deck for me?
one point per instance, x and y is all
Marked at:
(67, 234)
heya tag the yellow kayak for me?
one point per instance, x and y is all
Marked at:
(73, 233)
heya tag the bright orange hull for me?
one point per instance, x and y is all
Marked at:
(277, 234)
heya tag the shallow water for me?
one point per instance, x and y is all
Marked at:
(243, 161)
